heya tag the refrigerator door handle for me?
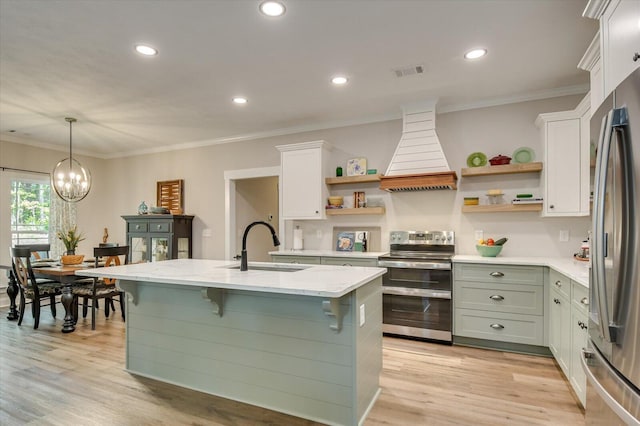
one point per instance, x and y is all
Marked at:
(599, 236)
(620, 411)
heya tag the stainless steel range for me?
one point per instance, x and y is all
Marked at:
(418, 285)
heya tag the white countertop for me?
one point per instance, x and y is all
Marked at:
(574, 269)
(313, 280)
(330, 253)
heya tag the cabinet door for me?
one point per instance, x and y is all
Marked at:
(139, 248)
(579, 336)
(302, 184)
(560, 330)
(161, 247)
(562, 168)
(620, 41)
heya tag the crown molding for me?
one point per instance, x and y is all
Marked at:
(595, 8)
(592, 54)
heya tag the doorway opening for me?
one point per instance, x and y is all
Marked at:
(252, 195)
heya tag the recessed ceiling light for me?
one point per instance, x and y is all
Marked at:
(272, 8)
(240, 100)
(475, 53)
(143, 49)
(339, 80)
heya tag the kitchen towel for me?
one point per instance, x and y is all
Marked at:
(297, 239)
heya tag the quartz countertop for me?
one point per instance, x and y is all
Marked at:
(309, 280)
(330, 253)
(574, 269)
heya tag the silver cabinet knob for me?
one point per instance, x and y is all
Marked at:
(497, 274)
(584, 301)
(636, 56)
(556, 301)
(496, 297)
(558, 284)
(496, 326)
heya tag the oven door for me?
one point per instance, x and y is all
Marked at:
(435, 276)
(417, 313)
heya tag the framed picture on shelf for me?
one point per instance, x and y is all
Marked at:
(356, 167)
(345, 241)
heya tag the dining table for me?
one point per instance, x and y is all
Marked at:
(65, 274)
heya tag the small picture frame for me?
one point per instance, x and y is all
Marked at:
(345, 241)
(357, 167)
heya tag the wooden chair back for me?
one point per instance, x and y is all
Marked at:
(37, 250)
(21, 264)
(112, 255)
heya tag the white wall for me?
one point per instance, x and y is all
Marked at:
(120, 184)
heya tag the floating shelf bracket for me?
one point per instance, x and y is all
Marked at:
(331, 308)
(216, 297)
(131, 288)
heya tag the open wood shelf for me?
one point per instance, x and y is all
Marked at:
(505, 169)
(342, 180)
(494, 208)
(358, 211)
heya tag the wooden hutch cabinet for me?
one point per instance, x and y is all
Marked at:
(156, 237)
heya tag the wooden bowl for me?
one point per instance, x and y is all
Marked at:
(71, 259)
(336, 201)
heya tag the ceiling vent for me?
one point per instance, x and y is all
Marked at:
(409, 70)
(419, 163)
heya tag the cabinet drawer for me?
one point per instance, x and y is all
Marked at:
(504, 327)
(560, 282)
(580, 297)
(142, 226)
(513, 298)
(533, 275)
(349, 261)
(159, 226)
(308, 260)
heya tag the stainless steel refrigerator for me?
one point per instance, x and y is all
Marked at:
(612, 358)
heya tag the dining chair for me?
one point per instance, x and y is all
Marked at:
(103, 288)
(38, 251)
(30, 287)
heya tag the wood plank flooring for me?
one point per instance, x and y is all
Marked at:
(50, 378)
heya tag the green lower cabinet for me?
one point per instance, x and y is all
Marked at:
(348, 261)
(499, 306)
(560, 329)
(304, 260)
(579, 336)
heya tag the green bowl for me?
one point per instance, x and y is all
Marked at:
(489, 251)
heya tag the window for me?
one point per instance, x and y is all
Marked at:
(30, 208)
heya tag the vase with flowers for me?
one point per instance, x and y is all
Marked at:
(70, 238)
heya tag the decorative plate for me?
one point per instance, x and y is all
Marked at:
(523, 155)
(357, 166)
(477, 159)
(345, 241)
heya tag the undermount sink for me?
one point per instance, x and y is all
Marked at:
(274, 268)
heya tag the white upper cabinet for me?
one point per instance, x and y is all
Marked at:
(566, 176)
(619, 38)
(592, 62)
(303, 169)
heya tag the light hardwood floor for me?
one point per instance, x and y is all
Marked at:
(50, 378)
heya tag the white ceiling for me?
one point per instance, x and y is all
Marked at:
(75, 58)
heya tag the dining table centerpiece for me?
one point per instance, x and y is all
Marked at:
(71, 238)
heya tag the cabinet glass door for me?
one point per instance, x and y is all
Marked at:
(183, 248)
(160, 249)
(138, 249)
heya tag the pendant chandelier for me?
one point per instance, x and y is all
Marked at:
(69, 179)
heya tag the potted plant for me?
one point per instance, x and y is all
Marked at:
(70, 238)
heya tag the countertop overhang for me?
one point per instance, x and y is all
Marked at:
(313, 280)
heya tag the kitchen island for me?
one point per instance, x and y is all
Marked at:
(300, 339)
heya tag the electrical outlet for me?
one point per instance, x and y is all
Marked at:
(318, 234)
(361, 315)
(479, 235)
(564, 236)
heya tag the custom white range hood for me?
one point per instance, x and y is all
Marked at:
(418, 163)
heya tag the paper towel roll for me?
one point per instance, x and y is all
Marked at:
(297, 239)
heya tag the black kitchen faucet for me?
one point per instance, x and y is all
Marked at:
(243, 260)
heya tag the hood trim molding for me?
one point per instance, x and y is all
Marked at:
(419, 182)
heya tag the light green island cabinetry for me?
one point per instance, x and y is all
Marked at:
(327, 257)
(304, 340)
